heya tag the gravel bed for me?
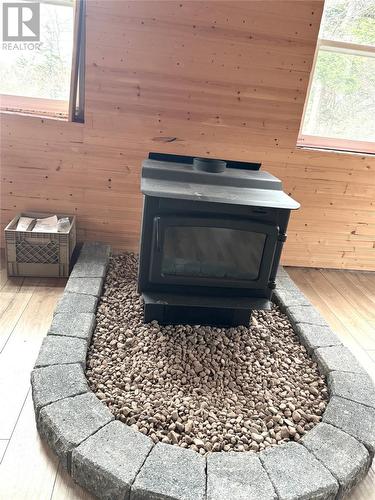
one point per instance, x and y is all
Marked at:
(200, 387)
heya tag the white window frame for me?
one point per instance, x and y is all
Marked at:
(333, 143)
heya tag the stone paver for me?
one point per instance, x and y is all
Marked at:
(171, 472)
(286, 283)
(297, 474)
(61, 350)
(92, 261)
(354, 386)
(337, 358)
(74, 303)
(305, 314)
(286, 298)
(66, 423)
(281, 272)
(79, 325)
(88, 286)
(355, 419)
(240, 476)
(93, 269)
(52, 383)
(107, 463)
(95, 250)
(345, 457)
(314, 336)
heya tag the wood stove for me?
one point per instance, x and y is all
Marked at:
(212, 235)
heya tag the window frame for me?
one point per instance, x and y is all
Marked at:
(306, 141)
(51, 108)
(73, 109)
(77, 77)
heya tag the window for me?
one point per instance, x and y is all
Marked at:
(340, 108)
(42, 58)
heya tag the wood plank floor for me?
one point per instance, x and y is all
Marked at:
(28, 470)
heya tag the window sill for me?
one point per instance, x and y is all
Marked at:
(31, 106)
(334, 145)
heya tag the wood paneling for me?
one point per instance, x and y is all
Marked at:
(216, 78)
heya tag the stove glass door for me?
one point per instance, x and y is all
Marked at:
(212, 252)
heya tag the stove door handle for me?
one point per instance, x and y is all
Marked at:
(157, 234)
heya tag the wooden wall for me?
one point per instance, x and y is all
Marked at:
(213, 78)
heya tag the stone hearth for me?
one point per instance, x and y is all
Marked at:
(113, 461)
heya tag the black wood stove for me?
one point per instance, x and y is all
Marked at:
(212, 235)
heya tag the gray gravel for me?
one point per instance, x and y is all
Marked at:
(200, 387)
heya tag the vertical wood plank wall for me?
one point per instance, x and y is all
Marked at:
(224, 79)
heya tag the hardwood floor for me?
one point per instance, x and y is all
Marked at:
(347, 301)
(30, 471)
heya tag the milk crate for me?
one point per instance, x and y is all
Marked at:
(39, 254)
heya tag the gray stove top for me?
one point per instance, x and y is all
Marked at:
(233, 186)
